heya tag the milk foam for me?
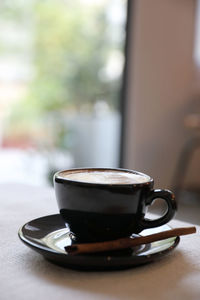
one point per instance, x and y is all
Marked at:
(105, 177)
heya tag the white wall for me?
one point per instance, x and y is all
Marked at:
(160, 86)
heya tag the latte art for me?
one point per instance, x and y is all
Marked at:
(105, 177)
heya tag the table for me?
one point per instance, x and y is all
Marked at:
(24, 274)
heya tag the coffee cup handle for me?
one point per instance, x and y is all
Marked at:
(169, 198)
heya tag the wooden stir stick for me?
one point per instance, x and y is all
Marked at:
(128, 242)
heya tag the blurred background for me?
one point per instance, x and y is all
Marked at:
(105, 83)
(61, 65)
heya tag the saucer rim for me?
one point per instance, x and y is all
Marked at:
(46, 248)
(94, 262)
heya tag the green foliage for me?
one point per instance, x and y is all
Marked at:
(71, 46)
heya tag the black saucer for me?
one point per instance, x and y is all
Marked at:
(49, 235)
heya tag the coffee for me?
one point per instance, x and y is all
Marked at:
(103, 204)
(105, 177)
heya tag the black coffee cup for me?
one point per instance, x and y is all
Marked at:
(100, 204)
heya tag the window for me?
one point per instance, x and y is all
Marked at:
(61, 64)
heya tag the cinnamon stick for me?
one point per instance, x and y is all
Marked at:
(128, 242)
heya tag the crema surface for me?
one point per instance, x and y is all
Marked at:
(105, 177)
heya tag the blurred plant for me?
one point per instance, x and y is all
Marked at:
(72, 49)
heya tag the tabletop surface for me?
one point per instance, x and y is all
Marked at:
(24, 274)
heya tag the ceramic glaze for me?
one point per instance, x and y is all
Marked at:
(108, 211)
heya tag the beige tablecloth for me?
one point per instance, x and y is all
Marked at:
(25, 275)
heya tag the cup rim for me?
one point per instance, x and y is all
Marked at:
(59, 178)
